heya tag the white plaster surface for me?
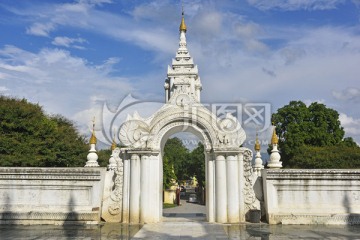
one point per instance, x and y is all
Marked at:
(50, 195)
(298, 196)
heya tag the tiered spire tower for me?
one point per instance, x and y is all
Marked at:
(183, 81)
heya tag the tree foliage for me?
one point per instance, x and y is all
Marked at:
(197, 167)
(185, 164)
(178, 156)
(168, 174)
(310, 130)
(28, 137)
(339, 156)
(104, 156)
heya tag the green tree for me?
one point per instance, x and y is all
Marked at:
(300, 128)
(168, 174)
(340, 156)
(28, 137)
(104, 156)
(177, 155)
(349, 142)
(185, 164)
(197, 169)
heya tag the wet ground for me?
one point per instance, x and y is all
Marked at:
(184, 222)
(180, 230)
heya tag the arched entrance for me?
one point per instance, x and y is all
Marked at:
(228, 167)
(145, 138)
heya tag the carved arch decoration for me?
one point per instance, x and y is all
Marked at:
(217, 133)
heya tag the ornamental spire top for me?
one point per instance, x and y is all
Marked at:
(182, 24)
(274, 137)
(257, 144)
(93, 138)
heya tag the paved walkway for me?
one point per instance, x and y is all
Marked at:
(187, 212)
(181, 230)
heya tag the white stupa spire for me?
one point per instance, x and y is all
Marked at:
(92, 156)
(182, 84)
(275, 155)
(258, 165)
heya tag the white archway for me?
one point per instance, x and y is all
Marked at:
(228, 167)
(225, 178)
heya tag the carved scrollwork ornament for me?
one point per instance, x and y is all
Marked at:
(114, 209)
(248, 191)
(134, 133)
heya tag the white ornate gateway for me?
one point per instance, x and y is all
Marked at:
(228, 167)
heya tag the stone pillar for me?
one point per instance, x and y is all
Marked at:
(210, 189)
(135, 189)
(166, 86)
(126, 209)
(159, 179)
(220, 185)
(145, 189)
(241, 187)
(232, 189)
(197, 90)
(155, 201)
(171, 87)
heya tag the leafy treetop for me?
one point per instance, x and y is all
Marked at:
(30, 138)
(299, 126)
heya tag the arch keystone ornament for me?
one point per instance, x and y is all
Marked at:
(228, 167)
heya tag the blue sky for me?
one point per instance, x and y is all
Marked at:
(72, 57)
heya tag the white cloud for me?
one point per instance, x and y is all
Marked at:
(40, 29)
(3, 89)
(350, 94)
(62, 83)
(356, 2)
(236, 56)
(308, 102)
(351, 126)
(84, 15)
(68, 42)
(96, 2)
(291, 5)
(46, 18)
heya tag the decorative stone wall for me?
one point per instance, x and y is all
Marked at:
(50, 195)
(297, 196)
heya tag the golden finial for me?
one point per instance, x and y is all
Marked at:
(257, 144)
(113, 145)
(183, 25)
(274, 138)
(93, 138)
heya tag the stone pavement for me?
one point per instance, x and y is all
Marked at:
(188, 221)
(181, 230)
(203, 230)
(184, 222)
(178, 230)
